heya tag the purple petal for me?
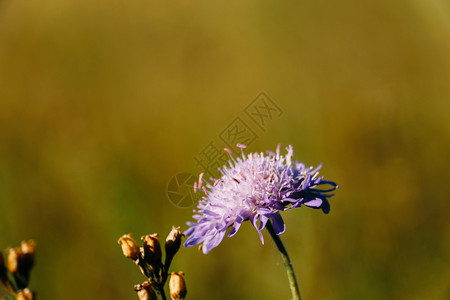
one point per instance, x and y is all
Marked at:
(254, 220)
(316, 169)
(213, 241)
(278, 224)
(314, 203)
(261, 237)
(325, 206)
(236, 226)
(193, 240)
(242, 215)
(263, 221)
(306, 182)
(189, 231)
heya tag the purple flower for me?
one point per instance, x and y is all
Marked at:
(255, 188)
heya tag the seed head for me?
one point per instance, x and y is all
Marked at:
(129, 246)
(25, 294)
(152, 250)
(173, 242)
(177, 286)
(145, 291)
(15, 256)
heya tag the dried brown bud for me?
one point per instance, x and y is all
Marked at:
(19, 264)
(145, 291)
(152, 250)
(173, 242)
(15, 256)
(28, 248)
(129, 246)
(25, 294)
(177, 286)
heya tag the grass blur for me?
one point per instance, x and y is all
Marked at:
(102, 102)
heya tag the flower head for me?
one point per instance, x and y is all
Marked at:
(255, 187)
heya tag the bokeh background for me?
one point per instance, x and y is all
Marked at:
(103, 102)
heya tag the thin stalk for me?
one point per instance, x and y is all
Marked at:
(163, 294)
(287, 262)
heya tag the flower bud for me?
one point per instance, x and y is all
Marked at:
(145, 291)
(129, 246)
(28, 248)
(19, 267)
(152, 250)
(15, 256)
(177, 286)
(173, 242)
(25, 294)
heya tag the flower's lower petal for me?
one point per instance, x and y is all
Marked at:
(263, 221)
(278, 224)
(261, 236)
(325, 206)
(254, 220)
(291, 207)
(236, 226)
(200, 229)
(213, 241)
(222, 226)
(235, 229)
(290, 201)
(193, 240)
(316, 203)
(298, 203)
(197, 234)
(189, 231)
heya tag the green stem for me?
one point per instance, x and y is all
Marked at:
(163, 295)
(287, 262)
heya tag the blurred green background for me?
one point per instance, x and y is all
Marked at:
(103, 102)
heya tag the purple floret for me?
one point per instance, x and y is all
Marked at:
(255, 188)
